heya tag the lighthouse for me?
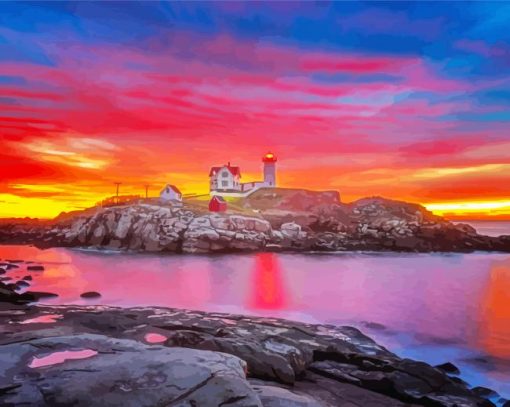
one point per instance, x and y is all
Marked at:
(225, 180)
(269, 161)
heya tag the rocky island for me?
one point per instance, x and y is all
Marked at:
(271, 219)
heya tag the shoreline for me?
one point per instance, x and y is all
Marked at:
(290, 360)
(370, 251)
(277, 220)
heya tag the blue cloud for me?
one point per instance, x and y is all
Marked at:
(12, 80)
(429, 30)
(496, 116)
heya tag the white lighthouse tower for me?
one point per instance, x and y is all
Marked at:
(269, 161)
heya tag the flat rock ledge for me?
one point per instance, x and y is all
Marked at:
(97, 356)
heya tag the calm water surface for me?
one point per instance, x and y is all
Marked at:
(490, 227)
(437, 308)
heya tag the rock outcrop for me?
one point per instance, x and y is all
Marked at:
(319, 223)
(88, 356)
(120, 372)
(210, 233)
(9, 294)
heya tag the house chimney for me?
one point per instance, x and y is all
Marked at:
(228, 164)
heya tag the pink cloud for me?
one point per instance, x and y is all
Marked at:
(264, 96)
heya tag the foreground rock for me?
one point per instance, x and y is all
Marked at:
(449, 367)
(90, 294)
(9, 294)
(207, 359)
(122, 372)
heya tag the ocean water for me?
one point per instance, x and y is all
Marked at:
(490, 227)
(431, 307)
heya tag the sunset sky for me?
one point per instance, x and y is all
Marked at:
(410, 101)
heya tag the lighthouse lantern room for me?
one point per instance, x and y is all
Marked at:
(269, 161)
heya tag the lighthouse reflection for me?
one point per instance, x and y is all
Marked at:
(268, 291)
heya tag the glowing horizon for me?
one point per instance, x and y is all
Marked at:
(92, 94)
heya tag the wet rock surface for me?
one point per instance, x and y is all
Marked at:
(90, 294)
(207, 359)
(35, 268)
(448, 367)
(9, 294)
(15, 290)
(272, 219)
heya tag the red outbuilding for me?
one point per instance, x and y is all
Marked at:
(217, 204)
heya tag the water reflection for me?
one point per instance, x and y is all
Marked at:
(268, 291)
(154, 338)
(43, 319)
(495, 321)
(56, 358)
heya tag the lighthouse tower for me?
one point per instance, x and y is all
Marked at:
(269, 161)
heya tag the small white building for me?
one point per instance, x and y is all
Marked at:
(170, 193)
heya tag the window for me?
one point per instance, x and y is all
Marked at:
(224, 183)
(224, 174)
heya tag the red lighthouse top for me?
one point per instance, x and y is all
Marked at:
(269, 158)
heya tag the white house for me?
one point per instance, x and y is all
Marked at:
(225, 180)
(170, 193)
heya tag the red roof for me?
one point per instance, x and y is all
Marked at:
(174, 188)
(233, 170)
(218, 198)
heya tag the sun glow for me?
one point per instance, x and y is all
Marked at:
(484, 209)
(19, 207)
(446, 172)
